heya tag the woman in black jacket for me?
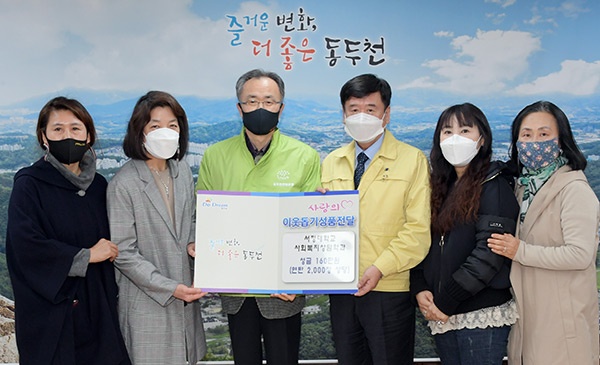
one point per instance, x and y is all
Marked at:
(462, 288)
(58, 248)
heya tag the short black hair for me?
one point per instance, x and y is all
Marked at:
(134, 138)
(567, 143)
(63, 103)
(366, 84)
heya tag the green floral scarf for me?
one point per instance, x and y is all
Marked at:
(533, 180)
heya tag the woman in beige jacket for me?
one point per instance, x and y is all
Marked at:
(553, 272)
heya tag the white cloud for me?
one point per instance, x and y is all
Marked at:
(118, 45)
(571, 9)
(575, 77)
(133, 46)
(502, 3)
(482, 64)
(420, 83)
(444, 34)
(496, 18)
(549, 15)
(536, 18)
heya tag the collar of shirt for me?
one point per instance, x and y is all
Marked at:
(370, 152)
(255, 152)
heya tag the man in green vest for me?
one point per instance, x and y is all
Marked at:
(261, 159)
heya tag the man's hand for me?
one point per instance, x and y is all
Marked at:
(368, 281)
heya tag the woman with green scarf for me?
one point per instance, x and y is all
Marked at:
(554, 254)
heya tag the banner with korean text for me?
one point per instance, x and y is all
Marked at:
(265, 243)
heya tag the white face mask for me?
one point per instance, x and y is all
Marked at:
(162, 143)
(362, 127)
(459, 150)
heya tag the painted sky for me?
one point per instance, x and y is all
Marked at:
(489, 48)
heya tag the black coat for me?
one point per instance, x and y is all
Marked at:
(461, 271)
(60, 319)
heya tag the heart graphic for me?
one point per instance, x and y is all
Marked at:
(346, 204)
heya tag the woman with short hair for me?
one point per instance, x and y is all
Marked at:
(58, 248)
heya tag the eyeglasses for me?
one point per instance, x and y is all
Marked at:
(267, 104)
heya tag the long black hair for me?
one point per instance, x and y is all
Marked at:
(459, 205)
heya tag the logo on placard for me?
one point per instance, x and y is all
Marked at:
(209, 203)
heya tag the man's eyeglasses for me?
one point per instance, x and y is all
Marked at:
(267, 104)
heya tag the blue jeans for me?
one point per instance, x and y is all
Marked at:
(478, 346)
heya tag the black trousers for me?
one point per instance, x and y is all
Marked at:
(281, 337)
(375, 329)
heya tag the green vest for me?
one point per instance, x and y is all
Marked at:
(288, 166)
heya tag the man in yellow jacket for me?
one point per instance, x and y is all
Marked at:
(376, 325)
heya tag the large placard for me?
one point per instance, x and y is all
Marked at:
(265, 243)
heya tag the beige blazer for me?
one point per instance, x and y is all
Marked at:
(554, 275)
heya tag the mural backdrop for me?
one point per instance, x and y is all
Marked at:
(498, 54)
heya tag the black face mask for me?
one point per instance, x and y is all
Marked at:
(260, 121)
(68, 151)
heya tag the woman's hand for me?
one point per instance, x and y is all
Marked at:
(424, 300)
(435, 314)
(103, 250)
(284, 297)
(188, 294)
(191, 249)
(504, 244)
(430, 311)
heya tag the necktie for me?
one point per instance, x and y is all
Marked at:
(360, 168)
(258, 156)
